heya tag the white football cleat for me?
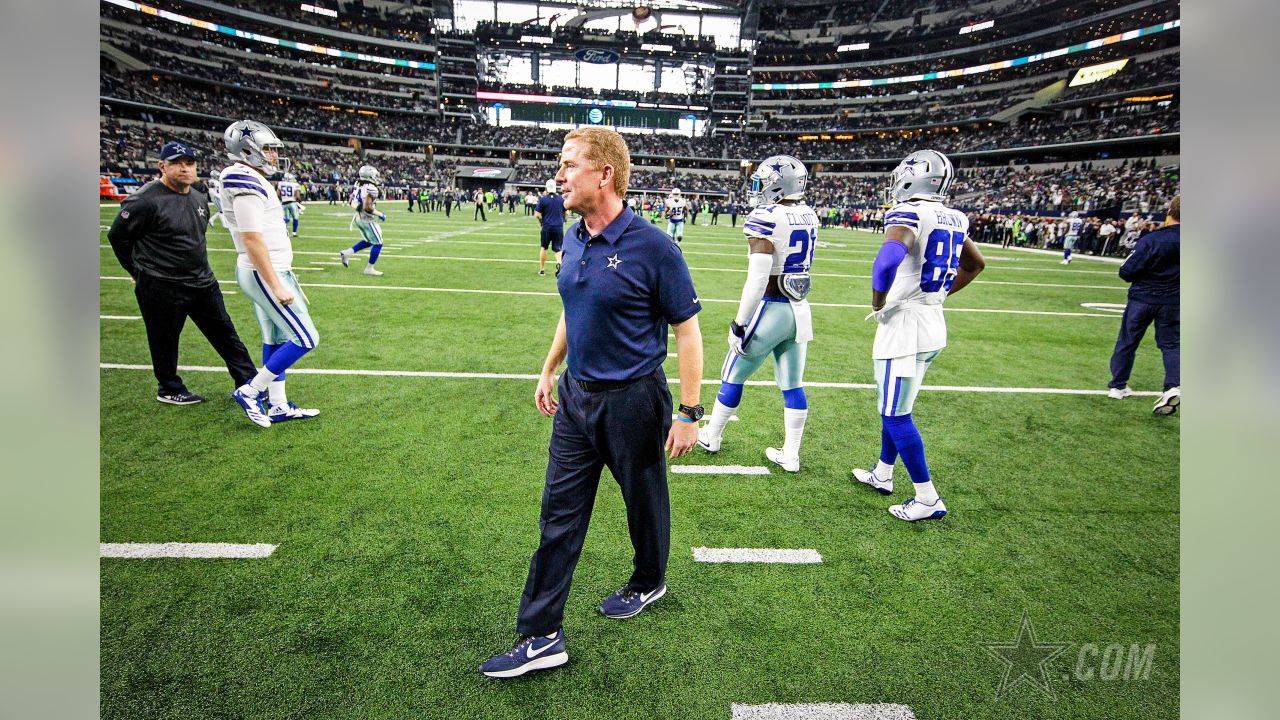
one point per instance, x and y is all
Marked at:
(790, 464)
(708, 443)
(371, 270)
(1119, 393)
(1065, 262)
(913, 510)
(345, 257)
(289, 411)
(1168, 402)
(884, 487)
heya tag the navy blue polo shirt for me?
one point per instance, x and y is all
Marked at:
(1154, 267)
(552, 209)
(621, 289)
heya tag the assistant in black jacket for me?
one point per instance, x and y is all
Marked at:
(159, 239)
(1153, 269)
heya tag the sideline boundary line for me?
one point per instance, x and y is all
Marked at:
(670, 381)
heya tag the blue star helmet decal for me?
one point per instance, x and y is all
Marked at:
(777, 167)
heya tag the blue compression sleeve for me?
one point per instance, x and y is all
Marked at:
(885, 268)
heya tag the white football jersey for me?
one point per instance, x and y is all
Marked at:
(793, 229)
(924, 278)
(362, 190)
(1074, 225)
(290, 192)
(676, 208)
(241, 180)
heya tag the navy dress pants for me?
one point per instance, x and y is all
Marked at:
(624, 429)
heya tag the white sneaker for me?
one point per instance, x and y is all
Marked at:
(289, 411)
(371, 270)
(1119, 393)
(884, 487)
(1168, 402)
(345, 257)
(913, 510)
(790, 464)
(1065, 262)
(706, 442)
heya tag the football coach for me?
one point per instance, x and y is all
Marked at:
(622, 283)
(159, 239)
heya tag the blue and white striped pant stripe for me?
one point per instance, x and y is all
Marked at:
(897, 386)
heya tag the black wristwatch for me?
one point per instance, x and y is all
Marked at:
(694, 413)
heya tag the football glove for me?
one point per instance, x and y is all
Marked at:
(737, 338)
(382, 216)
(883, 314)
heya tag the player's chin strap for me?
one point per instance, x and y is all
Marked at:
(758, 267)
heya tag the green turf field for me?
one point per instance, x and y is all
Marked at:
(406, 513)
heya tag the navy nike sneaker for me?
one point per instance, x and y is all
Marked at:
(627, 602)
(538, 652)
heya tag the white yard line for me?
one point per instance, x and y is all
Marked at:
(757, 555)
(119, 317)
(1052, 313)
(150, 551)
(670, 381)
(719, 470)
(822, 711)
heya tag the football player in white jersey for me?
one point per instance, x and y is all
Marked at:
(926, 257)
(1074, 225)
(264, 269)
(773, 316)
(675, 208)
(291, 199)
(215, 196)
(364, 200)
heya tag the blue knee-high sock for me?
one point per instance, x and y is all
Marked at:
(910, 446)
(284, 357)
(794, 399)
(267, 352)
(730, 394)
(295, 224)
(373, 254)
(888, 450)
(360, 246)
(1066, 254)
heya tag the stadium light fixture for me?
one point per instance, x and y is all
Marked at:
(540, 39)
(651, 47)
(853, 46)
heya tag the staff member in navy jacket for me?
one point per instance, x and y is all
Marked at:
(159, 239)
(550, 212)
(1153, 270)
(623, 282)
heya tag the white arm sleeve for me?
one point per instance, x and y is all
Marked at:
(758, 267)
(249, 210)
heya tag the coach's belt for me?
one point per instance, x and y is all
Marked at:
(602, 385)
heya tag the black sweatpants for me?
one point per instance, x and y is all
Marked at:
(165, 307)
(624, 430)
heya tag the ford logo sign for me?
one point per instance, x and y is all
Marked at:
(597, 56)
(595, 116)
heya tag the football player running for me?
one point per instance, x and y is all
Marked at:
(926, 257)
(1074, 223)
(364, 200)
(264, 269)
(675, 208)
(773, 316)
(291, 198)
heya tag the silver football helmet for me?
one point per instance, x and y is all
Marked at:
(675, 193)
(248, 141)
(290, 177)
(778, 177)
(369, 173)
(215, 174)
(922, 175)
(1075, 214)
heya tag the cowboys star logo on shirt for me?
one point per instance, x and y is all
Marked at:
(614, 262)
(124, 214)
(200, 212)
